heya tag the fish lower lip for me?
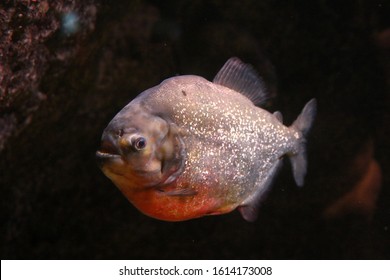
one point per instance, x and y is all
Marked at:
(104, 155)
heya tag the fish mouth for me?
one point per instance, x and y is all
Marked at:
(105, 155)
(107, 152)
(103, 158)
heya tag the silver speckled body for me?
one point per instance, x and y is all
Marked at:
(231, 144)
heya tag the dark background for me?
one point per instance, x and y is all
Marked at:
(59, 88)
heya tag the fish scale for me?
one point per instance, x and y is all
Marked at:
(245, 139)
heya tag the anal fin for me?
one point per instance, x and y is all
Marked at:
(250, 207)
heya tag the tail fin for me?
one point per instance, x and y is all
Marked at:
(302, 124)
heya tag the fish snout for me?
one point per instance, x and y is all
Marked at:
(109, 150)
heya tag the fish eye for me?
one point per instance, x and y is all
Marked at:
(139, 143)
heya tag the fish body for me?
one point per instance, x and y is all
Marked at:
(190, 147)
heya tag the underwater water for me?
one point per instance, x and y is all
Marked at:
(67, 67)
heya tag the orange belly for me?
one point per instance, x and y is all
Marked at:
(162, 206)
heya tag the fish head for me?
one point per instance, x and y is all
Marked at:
(140, 149)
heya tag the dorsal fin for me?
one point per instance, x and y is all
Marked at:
(242, 78)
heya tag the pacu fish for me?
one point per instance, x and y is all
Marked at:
(189, 147)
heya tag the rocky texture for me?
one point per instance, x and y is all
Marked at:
(35, 35)
(66, 67)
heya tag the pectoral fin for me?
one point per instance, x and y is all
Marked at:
(172, 154)
(179, 192)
